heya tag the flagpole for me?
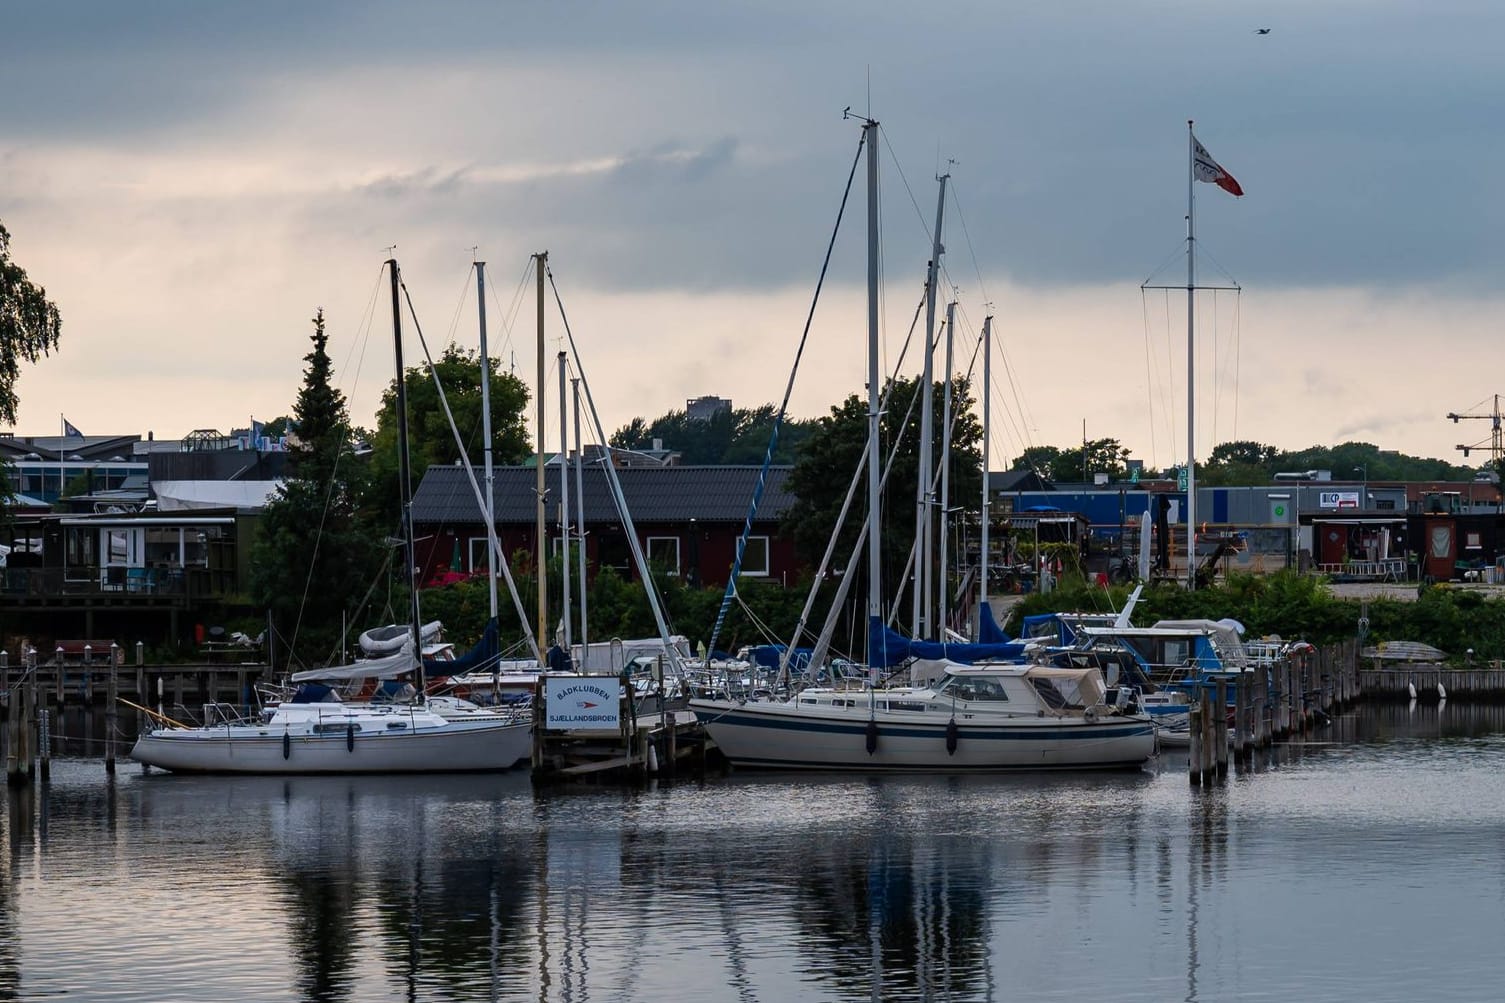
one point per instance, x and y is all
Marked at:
(62, 441)
(1191, 358)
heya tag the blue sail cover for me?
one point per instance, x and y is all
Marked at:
(486, 653)
(988, 631)
(769, 655)
(887, 648)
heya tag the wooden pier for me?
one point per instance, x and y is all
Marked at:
(659, 743)
(1276, 700)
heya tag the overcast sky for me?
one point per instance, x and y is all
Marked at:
(191, 181)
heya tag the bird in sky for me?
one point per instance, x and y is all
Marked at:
(1261, 31)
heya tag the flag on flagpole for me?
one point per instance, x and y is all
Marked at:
(1211, 171)
(69, 431)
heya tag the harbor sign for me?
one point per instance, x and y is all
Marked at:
(590, 703)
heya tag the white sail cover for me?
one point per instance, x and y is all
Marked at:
(386, 667)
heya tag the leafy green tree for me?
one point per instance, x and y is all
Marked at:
(827, 459)
(430, 440)
(30, 325)
(315, 558)
(1103, 456)
(731, 436)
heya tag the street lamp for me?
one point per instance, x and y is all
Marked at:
(1363, 469)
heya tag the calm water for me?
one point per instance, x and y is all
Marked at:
(1369, 865)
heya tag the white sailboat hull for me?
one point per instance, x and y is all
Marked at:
(778, 735)
(270, 749)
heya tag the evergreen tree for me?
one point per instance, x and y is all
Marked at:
(316, 558)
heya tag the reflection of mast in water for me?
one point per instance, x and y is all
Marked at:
(19, 837)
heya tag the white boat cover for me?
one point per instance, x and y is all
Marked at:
(386, 667)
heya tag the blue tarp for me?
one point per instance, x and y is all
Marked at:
(887, 648)
(988, 631)
(769, 655)
(478, 659)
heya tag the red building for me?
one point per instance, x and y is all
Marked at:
(687, 520)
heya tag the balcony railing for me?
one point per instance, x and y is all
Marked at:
(114, 582)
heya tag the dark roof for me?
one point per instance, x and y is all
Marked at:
(653, 494)
(1017, 480)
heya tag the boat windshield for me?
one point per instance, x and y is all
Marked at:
(972, 688)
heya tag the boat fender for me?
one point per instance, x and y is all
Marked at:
(287, 746)
(652, 758)
(872, 737)
(1090, 714)
(951, 735)
(350, 737)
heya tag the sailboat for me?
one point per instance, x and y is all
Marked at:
(980, 714)
(316, 732)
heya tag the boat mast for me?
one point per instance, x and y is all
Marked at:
(486, 435)
(1191, 355)
(564, 501)
(405, 477)
(923, 522)
(942, 587)
(541, 260)
(580, 520)
(987, 414)
(874, 558)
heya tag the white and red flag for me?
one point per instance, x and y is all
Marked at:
(1209, 170)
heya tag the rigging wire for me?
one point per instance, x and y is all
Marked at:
(493, 542)
(773, 438)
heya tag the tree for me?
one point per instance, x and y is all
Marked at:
(731, 436)
(829, 456)
(430, 440)
(30, 325)
(1104, 456)
(315, 558)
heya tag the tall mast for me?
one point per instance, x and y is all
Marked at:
(486, 436)
(405, 477)
(943, 592)
(1191, 357)
(987, 415)
(923, 520)
(564, 501)
(541, 261)
(874, 561)
(580, 521)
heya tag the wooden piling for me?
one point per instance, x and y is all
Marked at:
(1220, 739)
(1194, 750)
(1240, 717)
(14, 777)
(44, 743)
(112, 695)
(671, 742)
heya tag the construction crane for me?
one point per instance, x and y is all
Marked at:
(1496, 443)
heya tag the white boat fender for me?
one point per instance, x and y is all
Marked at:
(951, 737)
(1442, 694)
(1411, 688)
(287, 746)
(350, 737)
(652, 758)
(872, 736)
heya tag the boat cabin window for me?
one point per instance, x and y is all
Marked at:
(975, 688)
(334, 727)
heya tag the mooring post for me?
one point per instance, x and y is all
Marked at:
(1194, 750)
(111, 695)
(44, 742)
(59, 654)
(1220, 715)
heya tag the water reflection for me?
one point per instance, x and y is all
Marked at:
(770, 887)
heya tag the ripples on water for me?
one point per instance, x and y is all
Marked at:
(1365, 864)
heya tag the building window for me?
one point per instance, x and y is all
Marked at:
(755, 557)
(480, 552)
(663, 552)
